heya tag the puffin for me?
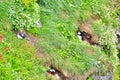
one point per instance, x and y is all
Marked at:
(21, 35)
(57, 73)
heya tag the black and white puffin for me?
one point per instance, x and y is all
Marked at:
(21, 35)
(57, 73)
(84, 36)
(79, 35)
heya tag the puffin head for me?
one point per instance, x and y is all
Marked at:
(52, 71)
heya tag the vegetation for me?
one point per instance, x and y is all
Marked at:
(57, 37)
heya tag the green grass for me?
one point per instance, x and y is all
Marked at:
(57, 39)
(19, 59)
(59, 30)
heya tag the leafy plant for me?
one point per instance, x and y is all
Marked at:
(24, 14)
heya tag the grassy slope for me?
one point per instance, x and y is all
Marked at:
(18, 60)
(77, 10)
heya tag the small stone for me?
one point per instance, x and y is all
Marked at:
(39, 24)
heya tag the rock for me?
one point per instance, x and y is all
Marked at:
(39, 24)
(107, 77)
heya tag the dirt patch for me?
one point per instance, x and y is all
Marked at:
(94, 17)
(33, 40)
(0, 56)
(6, 48)
(63, 14)
(89, 51)
(40, 53)
(87, 27)
(1, 38)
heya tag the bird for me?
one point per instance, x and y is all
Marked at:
(57, 73)
(84, 36)
(21, 35)
(79, 35)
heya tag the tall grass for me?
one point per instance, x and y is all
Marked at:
(4, 6)
(18, 60)
(58, 33)
(57, 38)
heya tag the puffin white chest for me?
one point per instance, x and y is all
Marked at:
(79, 35)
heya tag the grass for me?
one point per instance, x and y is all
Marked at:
(18, 59)
(58, 41)
(67, 27)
